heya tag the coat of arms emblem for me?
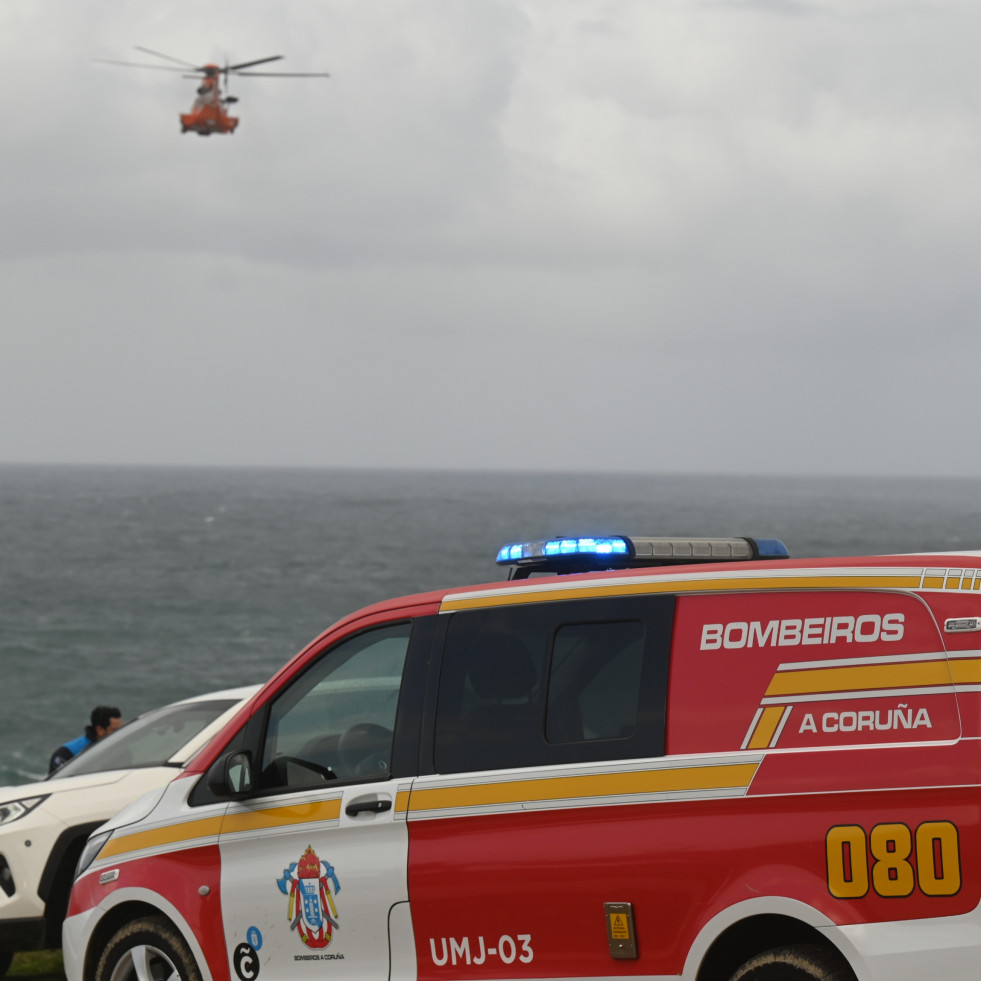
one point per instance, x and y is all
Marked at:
(311, 912)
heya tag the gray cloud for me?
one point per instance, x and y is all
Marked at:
(522, 233)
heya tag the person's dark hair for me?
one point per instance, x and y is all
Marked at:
(101, 715)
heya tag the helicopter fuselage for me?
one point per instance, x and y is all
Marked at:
(208, 114)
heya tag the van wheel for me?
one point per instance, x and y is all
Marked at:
(150, 949)
(6, 958)
(802, 963)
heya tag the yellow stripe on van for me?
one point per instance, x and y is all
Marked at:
(159, 837)
(256, 820)
(736, 776)
(966, 671)
(834, 579)
(766, 727)
(281, 817)
(860, 677)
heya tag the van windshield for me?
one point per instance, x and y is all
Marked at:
(150, 740)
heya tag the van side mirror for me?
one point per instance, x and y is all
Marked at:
(231, 775)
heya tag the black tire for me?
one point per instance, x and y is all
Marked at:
(6, 958)
(798, 963)
(153, 943)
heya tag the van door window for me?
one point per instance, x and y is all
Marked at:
(336, 721)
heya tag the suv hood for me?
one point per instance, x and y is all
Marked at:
(44, 788)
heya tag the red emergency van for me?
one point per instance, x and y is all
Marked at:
(701, 760)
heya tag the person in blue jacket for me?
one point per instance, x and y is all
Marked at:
(105, 719)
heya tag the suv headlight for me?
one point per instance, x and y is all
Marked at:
(14, 809)
(92, 848)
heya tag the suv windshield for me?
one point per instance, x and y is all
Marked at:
(150, 740)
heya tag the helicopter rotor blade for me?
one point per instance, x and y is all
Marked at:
(249, 64)
(211, 70)
(137, 64)
(283, 74)
(158, 54)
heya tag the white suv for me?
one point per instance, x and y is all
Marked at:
(44, 825)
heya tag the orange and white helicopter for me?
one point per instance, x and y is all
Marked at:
(209, 114)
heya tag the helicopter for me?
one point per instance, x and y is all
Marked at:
(209, 114)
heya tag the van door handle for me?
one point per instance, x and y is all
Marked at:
(375, 806)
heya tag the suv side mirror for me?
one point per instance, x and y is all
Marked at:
(231, 775)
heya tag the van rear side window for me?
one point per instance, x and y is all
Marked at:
(594, 682)
(555, 683)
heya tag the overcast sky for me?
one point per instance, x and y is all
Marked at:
(672, 235)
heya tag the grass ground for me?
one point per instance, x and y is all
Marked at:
(37, 964)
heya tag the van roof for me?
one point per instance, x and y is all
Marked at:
(912, 571)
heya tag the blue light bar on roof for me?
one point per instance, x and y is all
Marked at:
(567, 554)
(559, 547)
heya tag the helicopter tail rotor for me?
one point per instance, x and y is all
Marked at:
(227, 98)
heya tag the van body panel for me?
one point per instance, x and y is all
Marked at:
(807, 669)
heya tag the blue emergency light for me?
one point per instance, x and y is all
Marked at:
(770, 548)
(553, 547)
(565, 554)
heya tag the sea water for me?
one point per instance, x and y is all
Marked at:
(136, 587)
